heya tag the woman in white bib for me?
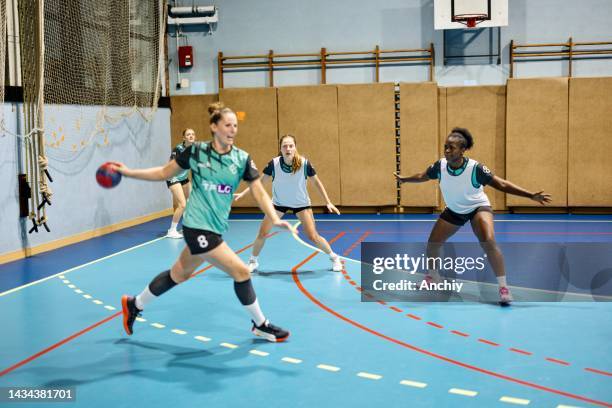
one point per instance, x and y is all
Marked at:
(290, 172)
(462, 182)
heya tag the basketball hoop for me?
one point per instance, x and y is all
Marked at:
(470, 20)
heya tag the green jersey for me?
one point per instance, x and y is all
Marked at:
(215, 177)
(183, 174)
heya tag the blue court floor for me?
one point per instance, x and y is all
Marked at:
(61, 327)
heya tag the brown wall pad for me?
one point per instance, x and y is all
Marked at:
(257, 127)
(310, 113)
(367, 144)
(536, 138)
(419, 141)
(590, 142)
(190, 112)
(482, 110)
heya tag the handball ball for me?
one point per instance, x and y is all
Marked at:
(107, 177)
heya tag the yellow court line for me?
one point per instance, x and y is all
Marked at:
(512, 400)
(460, 391)
(177, 331)
(202, 338)
(158, 325)
(328, 368)
(291, 360)
(229, 345)
(416, 384)
(369, 376)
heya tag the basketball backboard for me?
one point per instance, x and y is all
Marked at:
(446, 13)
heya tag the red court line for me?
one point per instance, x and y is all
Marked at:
(415, 317)
(554, 360)
(490, 343)
(93, 326)
(527, 353)
(306, 293)
(56, 345)
(359, 240)
(396, 309)
(436, 325)
(471, 233)
(593, 370)
(458, 333)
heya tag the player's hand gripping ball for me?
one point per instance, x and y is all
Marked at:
(107, 176)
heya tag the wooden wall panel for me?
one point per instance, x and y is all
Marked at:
(537, 137)
(419, 140)
(590, 142)
(481, 110)
(190, 112)
(310, 113)
(367, 144)
(257, 127)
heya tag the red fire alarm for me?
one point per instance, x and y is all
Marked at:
(185, 54)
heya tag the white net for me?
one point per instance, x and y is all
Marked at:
(86, 66)
(2, 51)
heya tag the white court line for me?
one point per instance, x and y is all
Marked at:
(259, 353)
(586, 295)
(79, 267)
(178, 331)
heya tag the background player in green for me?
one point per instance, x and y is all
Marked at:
(217, 169)
(180, 185)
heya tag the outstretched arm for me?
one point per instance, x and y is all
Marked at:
(238, 196)
(415, 178)
(160, 173)
(506, 186)
(319, 184)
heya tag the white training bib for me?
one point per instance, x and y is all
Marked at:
(461, 191)
(289, 189)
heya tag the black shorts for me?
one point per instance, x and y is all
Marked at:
(460, 219)
(171, 183)
(201, 241)
(295, 210)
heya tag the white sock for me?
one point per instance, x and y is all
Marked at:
(173, 226)
(253, 258)
(144, 298)
(256, 313)
(502, 281)
(333, 256)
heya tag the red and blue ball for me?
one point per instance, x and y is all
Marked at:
(107, 177)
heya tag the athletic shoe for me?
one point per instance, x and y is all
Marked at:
(337, 264)
(130, 313)
(505, 297)
(270, 332)
(172, 233)
(253, 265)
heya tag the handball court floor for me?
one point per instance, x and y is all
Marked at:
(61, 326)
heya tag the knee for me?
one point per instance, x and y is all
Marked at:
(181, 204)
(261, 235)
(242, 273)
(489, 244)
(178, 274)
(312, 235)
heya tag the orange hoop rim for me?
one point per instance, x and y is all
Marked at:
(470, 20)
